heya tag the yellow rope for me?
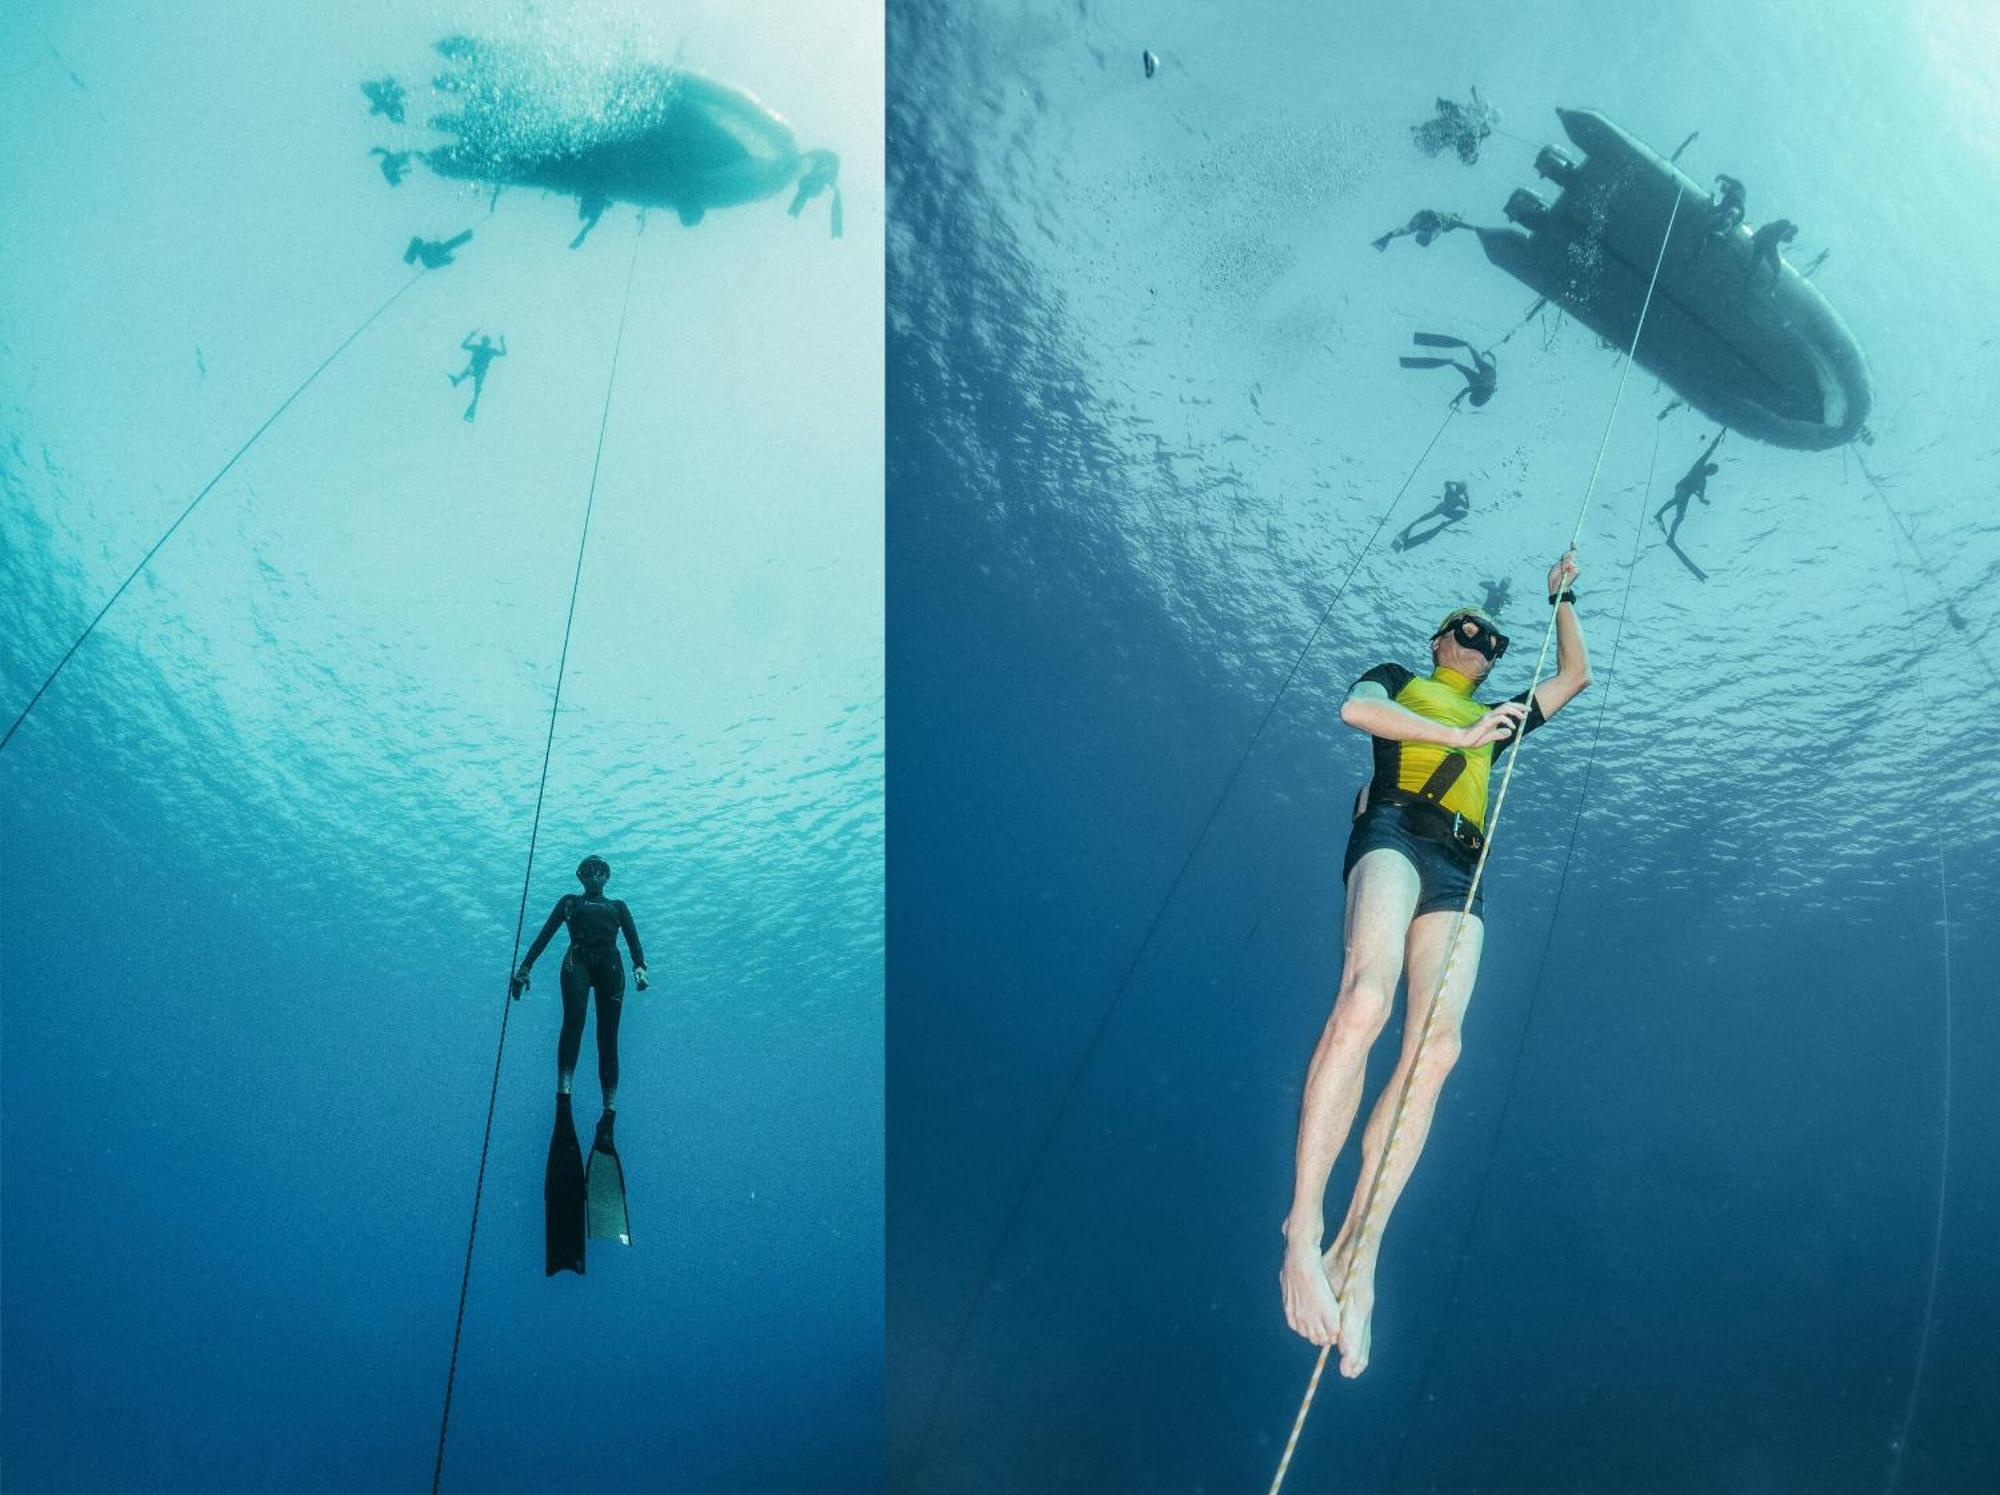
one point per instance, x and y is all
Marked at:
(1361, 1226)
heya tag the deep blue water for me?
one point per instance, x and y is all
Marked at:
(265, 838)
(1674, 1227)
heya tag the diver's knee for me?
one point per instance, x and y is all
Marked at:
(1360, 1009)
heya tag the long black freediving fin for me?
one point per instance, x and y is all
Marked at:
(1438, 340)
(1424, 363)
(563, 1194)
(608, 1220)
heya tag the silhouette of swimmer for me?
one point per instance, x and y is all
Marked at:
(1764, 250)
(1149, 62)
(822, 171)
(1818, 260)
(482, 354)
(1426, 224)
(395, 164)
(1448, 510)
(435, 253)
(1481, 380)
(385, 96)
(1693, 484)
(1498, 594)
(1459, 127)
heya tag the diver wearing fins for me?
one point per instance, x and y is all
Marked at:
(1693, 484)
(1481, 380)
(1419, 829)
(1426, 224)
(594, 1199)
(1448, 510)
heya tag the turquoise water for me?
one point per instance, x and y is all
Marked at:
(266, 834)
(1688, 1219)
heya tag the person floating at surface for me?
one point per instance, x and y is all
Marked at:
(435, 253)
(1764, 250)
(1498, 595)
(395, 164)
(1448, 510)
(589, 208)
(1460, 127)
(385, 96)
(1480, 380)
(1426, 224)
(1693, 484)
(482, 354)
(1418, 828)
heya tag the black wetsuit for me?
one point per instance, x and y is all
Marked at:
(592, 962)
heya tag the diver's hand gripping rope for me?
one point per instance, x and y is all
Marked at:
(1363, 1222)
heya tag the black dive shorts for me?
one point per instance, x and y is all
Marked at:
(1444, 868)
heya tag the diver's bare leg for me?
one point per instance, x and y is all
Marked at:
(1351, 1263)
(1381, 896)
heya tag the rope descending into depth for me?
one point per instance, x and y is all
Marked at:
(1362, 1224)
(1082, 1065)
(1902, 1440)
(527, 875)
(1541, 969)
(195, 503)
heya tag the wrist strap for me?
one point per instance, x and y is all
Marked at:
(1569, 597)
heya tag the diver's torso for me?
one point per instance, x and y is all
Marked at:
(593, 923)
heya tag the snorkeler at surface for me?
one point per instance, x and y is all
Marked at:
(395, 164)
(385, 96)
(1457, 127)
(1418, 828)
(482, 354)
(1448, 510)
(1498, 595)
(1481, 380)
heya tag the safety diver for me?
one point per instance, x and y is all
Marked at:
(1693, 484)
(1448, 510)
(1481, 379)
(1418, 829)
(1425, 225)
(482, 354)
(435, 253)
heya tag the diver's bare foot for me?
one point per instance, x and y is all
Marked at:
(1310, 1307)
(1357, 1311)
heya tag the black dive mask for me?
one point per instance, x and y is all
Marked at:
(1481, 637)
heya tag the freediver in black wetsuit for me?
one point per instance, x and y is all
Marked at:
(596, 1198)
(1481, 380)
(1448, 510)
(1693, 484)
(1426, 224)
(482, 354)
(435, 253)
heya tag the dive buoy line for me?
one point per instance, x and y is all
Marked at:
(1082, 1065)
(1909, 536)
(1541, 969)
(1361, 1225)
(528, 872)
(1902, 1441)
(195, 503)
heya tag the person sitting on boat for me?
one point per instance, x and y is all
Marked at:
(1725, 209)
(1764, 249)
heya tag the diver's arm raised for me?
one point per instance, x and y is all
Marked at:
(1572, 659)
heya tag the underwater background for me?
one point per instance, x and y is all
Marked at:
(265, 837)
(1709, 1204)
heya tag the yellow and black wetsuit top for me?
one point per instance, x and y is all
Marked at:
(1454, 779)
